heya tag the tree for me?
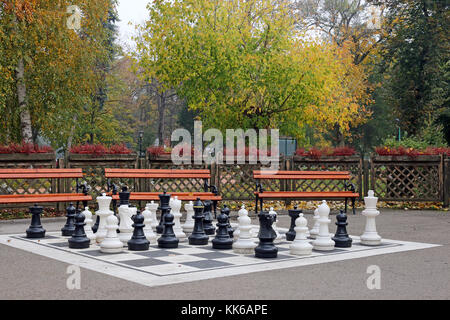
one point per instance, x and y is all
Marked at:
(244, 64)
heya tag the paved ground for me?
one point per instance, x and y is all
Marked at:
(420, 274)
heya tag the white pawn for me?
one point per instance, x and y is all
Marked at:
(323, 241)
(88, 227)
(111, 244)
(126, 224)
(103, 212)
(148, 231)
(244, 243)
(241, 213)
(152, 206)
(370, 236)
(188, 225)
(301, 246)
(274, 225)
(315, 229)
(176, 207)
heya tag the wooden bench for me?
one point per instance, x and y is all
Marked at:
(349, 191)
(209, 192)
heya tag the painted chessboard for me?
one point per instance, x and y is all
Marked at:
(187, 263)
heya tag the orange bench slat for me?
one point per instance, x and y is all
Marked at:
(274, 172)
(305, 177)
(300, 194)
(137, 196)
(38, 199)
(159, 175)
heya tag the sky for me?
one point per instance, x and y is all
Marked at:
(130, 10)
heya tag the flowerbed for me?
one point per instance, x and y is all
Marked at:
(317, 153)
(411, 152)
(25, 148)
(99, 149)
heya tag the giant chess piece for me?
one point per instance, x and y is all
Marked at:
(314, 232)
(35, 231)
(124, 196)
(370, 236)
(168, 238)
(323, 241)
(164, 207)
(152, 206)
(138, 241)
(103, 212)
(148, 231)
(188, 225)
(266, 248)
(111, 243)
(79, 239)
(244, 243)
(88, 227)
(222, 240)
(69, 227)
(126, 224)
(341, 238)
(294, 214)
(208, 218)
(274, 226)
(242, 212)
(301, 246)
(176, 207)
(198, 236)
(230, 229)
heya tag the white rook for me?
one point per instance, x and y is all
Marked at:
(148, 231)
(152, 206)
(103, 212)
(188, 225)
(88, 227)
(315, 229)
(370, 236)
(126, 224)
(176, 207)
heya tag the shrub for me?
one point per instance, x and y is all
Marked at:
(26, 148)
(317, 153)
(99, 149)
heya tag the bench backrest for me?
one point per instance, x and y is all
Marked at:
(157, 173)
(302, 175)
(40, 173)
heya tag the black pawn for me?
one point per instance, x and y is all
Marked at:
(341, 238)
(208, 218)
(164, 200)
(294, 214)
(266, 248)
(222, 240)
(138, 241)
(35, 231)
(198, 236)
(69, 227)
(79, 239)
(168, 238)
(230, 229)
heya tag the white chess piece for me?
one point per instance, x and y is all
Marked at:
(244, 243)
(126, 224)
(152, 206)
(188, 225)
(274, 225)
(111, 243)
(176, 207)
(301, 246)
(242, 212)
(88, 227)
(370, 236)
(103, 212)
(148, 230)
(323, 241)
(314, 232)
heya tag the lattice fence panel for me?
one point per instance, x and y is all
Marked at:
(173, 185)
(407, 182)
(354, 167)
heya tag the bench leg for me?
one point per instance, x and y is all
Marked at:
(256, 205)
(353, 206)
(261, 203)
(215, 208)
(345, 209)
(35, 231)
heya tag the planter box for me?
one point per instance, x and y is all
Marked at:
(98, 158)
(421, 158)
(28, 160)
(354, 158)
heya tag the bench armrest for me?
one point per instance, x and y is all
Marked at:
(349, 187)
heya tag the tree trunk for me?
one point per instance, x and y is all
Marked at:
(25, 117)
(161, 117)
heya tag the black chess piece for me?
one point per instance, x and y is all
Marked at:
(198, 236)
(208, 218)
(124, 196)
(35, 231)
(164, 207)
(168, 238)
(69, 227)
(266, 248)
(222, 241)
(138, 241)
(294, 214)
(341, 238)
(230, 229)
(79, 239)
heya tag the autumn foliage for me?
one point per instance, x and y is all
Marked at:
(26, 148)
(99, 149)
(411, 152)
(317, 153)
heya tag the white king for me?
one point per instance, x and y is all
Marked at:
(370, 236)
